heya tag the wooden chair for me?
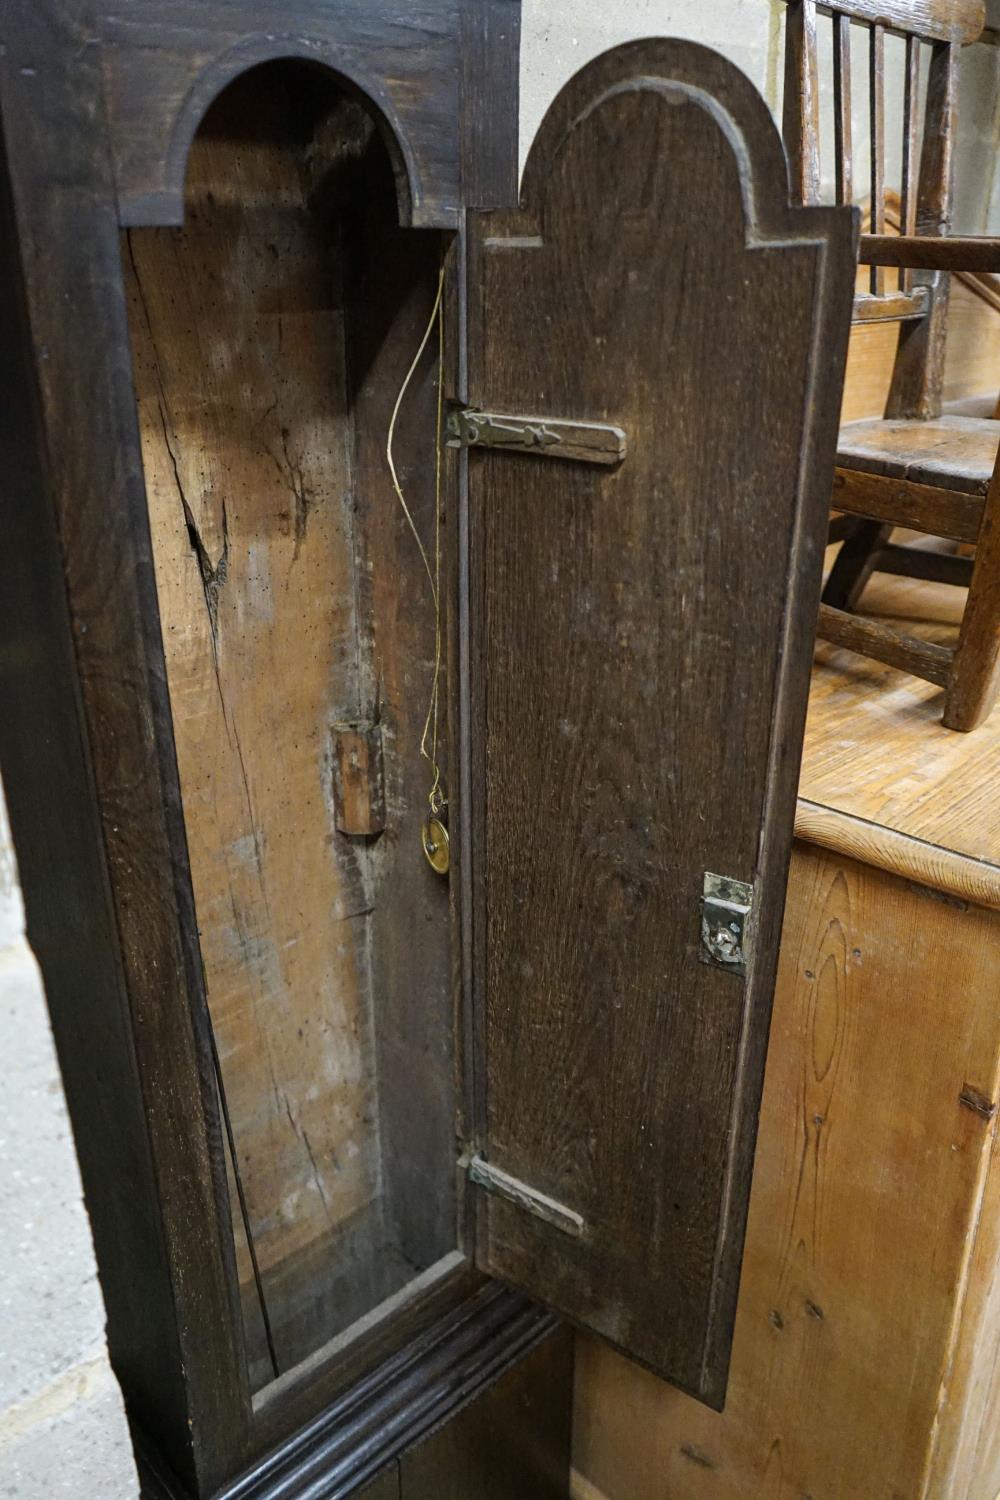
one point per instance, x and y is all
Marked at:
(916, 467)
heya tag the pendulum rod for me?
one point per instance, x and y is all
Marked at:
(434, 833)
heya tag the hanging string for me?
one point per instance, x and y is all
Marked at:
(429, 738)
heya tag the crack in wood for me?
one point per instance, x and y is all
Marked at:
(979, 1103)
(292, 473)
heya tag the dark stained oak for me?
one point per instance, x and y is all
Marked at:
(918, 373)
(99, 106)
(431, 70)
(77, 359)
(921, 658)
(938, 20)
(632, 727)
(801, 100)
(843, 120)
(921, 252)
(491, 31)
(627, 662)
(975, 675)
(511, 1444)
(935, 567)
(952, 452)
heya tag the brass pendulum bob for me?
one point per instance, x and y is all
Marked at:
(434, 836)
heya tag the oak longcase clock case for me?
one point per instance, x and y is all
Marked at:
(409, 578)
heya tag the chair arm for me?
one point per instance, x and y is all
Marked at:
(925, 252)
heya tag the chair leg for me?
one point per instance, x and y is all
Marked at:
(855, 564)
(975, 675)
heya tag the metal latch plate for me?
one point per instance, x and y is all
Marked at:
(726, 906)
(551, 437)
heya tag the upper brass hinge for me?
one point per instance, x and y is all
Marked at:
(587, 442)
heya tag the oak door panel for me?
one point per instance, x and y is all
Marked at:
(641, 636)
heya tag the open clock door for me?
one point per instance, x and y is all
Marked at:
(656, 356)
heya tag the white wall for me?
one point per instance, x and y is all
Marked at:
(62, 1423)
(559, 36)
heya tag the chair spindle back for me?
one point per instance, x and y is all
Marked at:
(919, 302)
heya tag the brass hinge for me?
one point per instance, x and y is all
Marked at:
(494, 1180)
(726, 906)
(587, 442)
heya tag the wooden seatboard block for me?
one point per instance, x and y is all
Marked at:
(627, 623)
(358, 779)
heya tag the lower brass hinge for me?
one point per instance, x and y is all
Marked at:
(551, 437)
(494, 1180)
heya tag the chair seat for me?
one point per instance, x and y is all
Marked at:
(950, 452)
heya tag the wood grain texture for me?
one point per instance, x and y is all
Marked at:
(918, 373)
(164, 66)
(70, 918)
(597, 1013)
(800, 108)
(935, 20)
(510, 1444)
(899, 794)
(874, 748)
(911, 129)
(63, 195)
(919, 252)
(123, 951)
(966, 1460)
(921, 562)
(358, 780)
(862, 1236)
(972, 356)
(491, 47)
(891, 307)
(899, 853)
(263, 407)
(392, 281)
(930, 509)
(843, 122)
(249, 504)
(951, 451)
(974, 681)
(876, 125)
(871, 638)
(424, 1383)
